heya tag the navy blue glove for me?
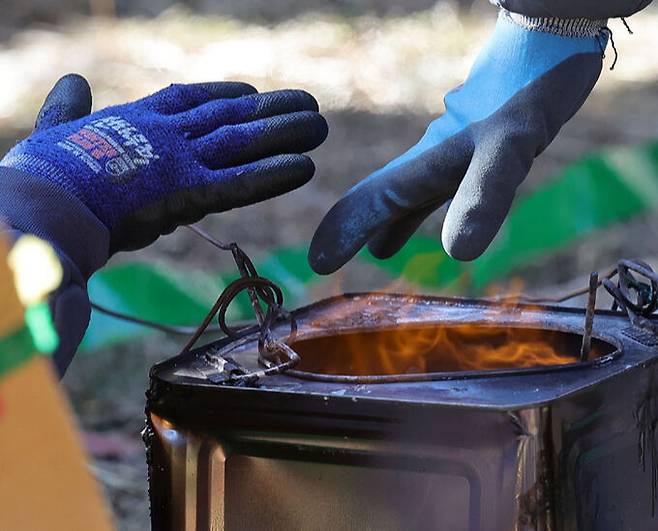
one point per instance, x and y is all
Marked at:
(523, 87)
(144, 168)
(92, 185)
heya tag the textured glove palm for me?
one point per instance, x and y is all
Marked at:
(523, 87)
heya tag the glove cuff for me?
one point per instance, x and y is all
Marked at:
(36, 206)
(564, 27)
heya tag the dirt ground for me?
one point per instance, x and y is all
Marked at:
(379, 71)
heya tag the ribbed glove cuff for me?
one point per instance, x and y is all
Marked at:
(564, 27)
(35, 206)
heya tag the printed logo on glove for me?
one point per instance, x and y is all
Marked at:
(112, 145)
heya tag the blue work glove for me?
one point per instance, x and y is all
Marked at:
(120, 177)
(92, 185)
(523, 87)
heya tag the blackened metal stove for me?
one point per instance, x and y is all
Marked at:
(546, 444)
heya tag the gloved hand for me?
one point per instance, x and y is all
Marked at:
(117, 179)
(523, 87)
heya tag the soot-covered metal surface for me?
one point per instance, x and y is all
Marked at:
(559, 445)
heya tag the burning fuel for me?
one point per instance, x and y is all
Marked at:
(412, 350)
(372, 342)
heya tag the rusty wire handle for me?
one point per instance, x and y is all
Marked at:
(640, 308)
(646, 300)
(259, 289)
(242, 261)
(272, 368)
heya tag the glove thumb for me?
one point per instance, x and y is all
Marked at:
(68, 100)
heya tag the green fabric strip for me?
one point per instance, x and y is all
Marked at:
(16, 350)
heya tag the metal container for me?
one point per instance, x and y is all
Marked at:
(566, 446)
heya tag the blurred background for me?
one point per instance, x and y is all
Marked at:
(379, 69)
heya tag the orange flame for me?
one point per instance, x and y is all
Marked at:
(423, 349)
(432, 347)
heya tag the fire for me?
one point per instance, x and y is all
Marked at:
(423, 349)
(366, 342)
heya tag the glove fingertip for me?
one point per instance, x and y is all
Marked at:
(323, 129)
(464, 244)
(285, 101)
(324, 256)
(308, 101)
(228, 89)
(74, 83)
(302, 131)
(298, 169)
(309, 129)
(319, 261)
(69, 99)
